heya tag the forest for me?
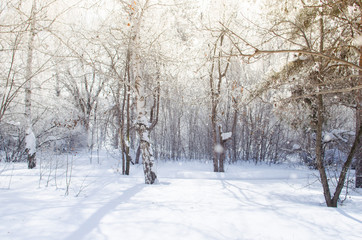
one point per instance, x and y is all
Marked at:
(150, 86)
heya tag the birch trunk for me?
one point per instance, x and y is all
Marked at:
(142, 123)
(30, 140)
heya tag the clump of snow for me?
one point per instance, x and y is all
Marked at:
(127, 143)
(30, 141)
(296, 147)
(337, 134)
(17, 124)
(353, 9)
(51, 138)
(316, 67)
(328, 137)
(143, 120)
(226, 136)
(358, 40)
(145, 137)
(303, 57)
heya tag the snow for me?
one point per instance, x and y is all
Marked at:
(145, 136)
(14, 123)
(226, 136)
(143, 120)
(337, 134)
(127, 143)
(316, 67)
(190, 202)
(358, 40)
(328, 137)
(30, 141)
(296, 147)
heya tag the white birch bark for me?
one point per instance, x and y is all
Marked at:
(142, 122)
(30, 140)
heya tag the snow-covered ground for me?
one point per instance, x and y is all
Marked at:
(190, 202)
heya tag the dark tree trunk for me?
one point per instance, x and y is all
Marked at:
(359, 147)
(31, 161)
(233, 129)
(331, 202)
(138, 155)
(223, 152)
(319, 153)
(346, 166)
(127, 96)
(215, 156)
(358, 124)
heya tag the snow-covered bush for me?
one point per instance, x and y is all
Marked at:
(12, 142)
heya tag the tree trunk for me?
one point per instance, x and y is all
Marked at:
(216, 147)
(233, 129)
(142, 124)
(346, 166)
(215, 91)
(359, 147)
(319, 128)
(128, 157)
(223, 152)
(147, 155)
(138, 155)
(358, 124)
(30, 140)
(319, 153)
(143, 130)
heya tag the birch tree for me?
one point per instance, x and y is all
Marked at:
(142, 123)
(38, 23)
(30, 140)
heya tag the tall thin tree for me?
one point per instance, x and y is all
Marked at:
(30, 140)
(143, 125)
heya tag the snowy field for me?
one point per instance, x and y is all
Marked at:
(190, 202)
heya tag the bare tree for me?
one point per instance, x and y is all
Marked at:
(329, 57)
(10, 90)
(30, 140)
(215, 94)
(85, 89)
